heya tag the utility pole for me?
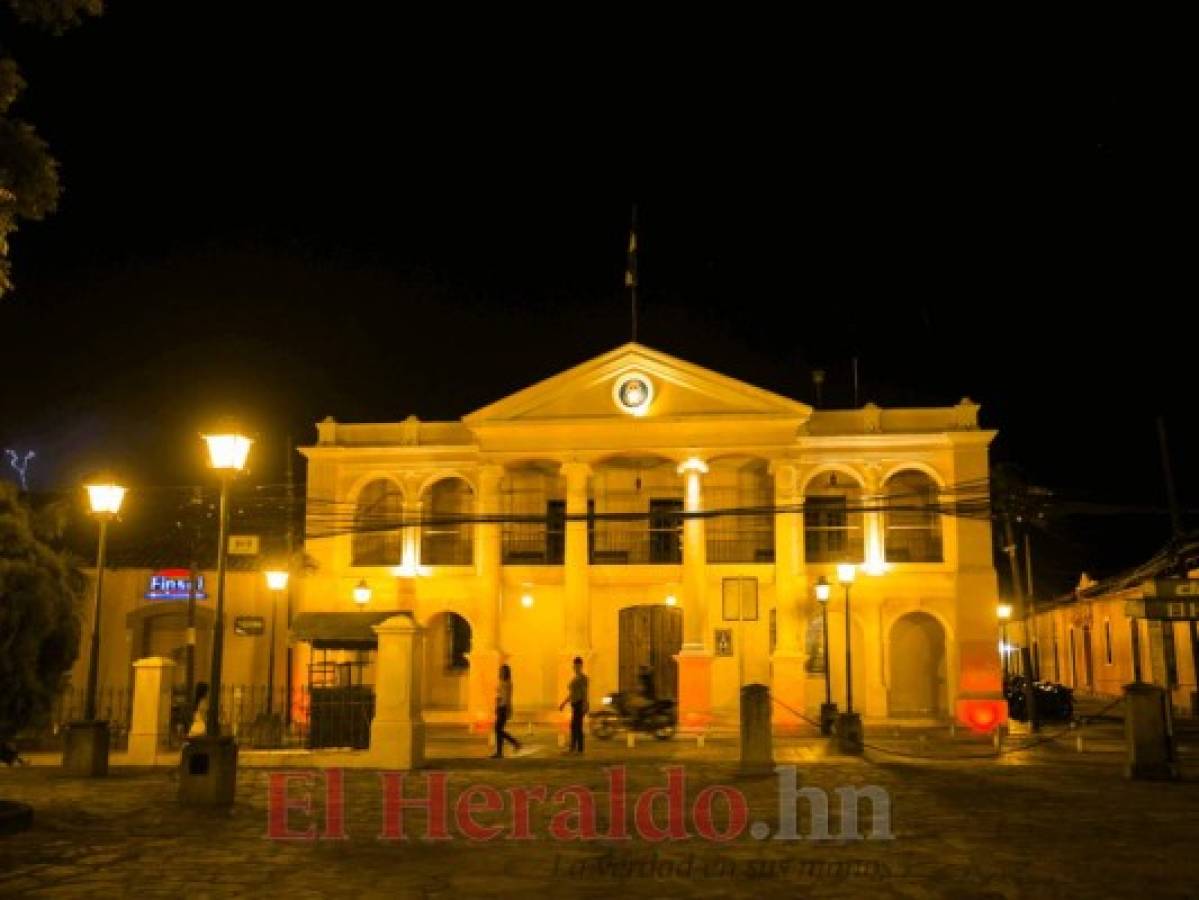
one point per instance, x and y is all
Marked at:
(291, 543)
(1176, 540)
(1009, 540)
(195, 505)
(1031, 627)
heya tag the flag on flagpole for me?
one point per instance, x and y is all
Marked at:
(630, 272)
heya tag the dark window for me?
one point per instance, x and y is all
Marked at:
(665, 531)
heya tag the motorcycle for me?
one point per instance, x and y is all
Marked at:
(1054, 701)
(658, 717)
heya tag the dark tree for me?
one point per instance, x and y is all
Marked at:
(41, 595)
(29, 185)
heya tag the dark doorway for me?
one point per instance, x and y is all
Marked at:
(651, 636)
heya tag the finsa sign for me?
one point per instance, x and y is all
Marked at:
(174, 584)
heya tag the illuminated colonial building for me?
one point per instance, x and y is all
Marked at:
(641, 510)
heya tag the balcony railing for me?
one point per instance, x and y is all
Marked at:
(449, 549)
(525, 545)
(741, 547)
(636, 546)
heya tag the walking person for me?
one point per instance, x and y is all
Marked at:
(579, 705)
(503, 711)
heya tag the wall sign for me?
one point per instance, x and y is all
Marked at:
(174, 584)
(243, 544)
(248, 626)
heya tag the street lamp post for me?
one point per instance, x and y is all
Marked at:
(208, 767)
(828, 709)
(276, 582)
(87, 741)
(849, 723)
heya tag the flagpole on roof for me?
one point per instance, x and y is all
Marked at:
(630, 272)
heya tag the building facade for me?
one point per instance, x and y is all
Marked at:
(639, 510)
(1105, 637)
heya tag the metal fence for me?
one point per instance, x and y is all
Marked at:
(114, 704)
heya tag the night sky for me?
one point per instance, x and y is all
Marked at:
(314, 213)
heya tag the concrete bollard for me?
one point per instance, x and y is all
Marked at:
(630, 739)
(757, 742)
(529, 727)
(1148, 733)
(151, 709)
(1078, 742)
(699, 740)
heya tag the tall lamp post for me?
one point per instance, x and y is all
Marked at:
(828, 709)
(87, 741)
(276, 582)
(1004, 612)
(227, 454)
(208, 766)
(849, 723)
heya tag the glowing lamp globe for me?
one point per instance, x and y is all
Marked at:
(276, 580)
(1004, 611)
(672, 600)
(526, 600)
(228, 451)
(105, 499)
(362, 593)
(823, 589)
(846, 572)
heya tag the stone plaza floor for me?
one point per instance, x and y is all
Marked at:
(1052, 821)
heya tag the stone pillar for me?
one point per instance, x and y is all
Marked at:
(757, 747)
(410, 543)
(791, 596)
(152, 678)
(576, 576)
(873, 551)
(1147, 733)
(695, 659)
(486, 654)
(398, 731)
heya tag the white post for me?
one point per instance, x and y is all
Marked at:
(398, 730)
(151, 709)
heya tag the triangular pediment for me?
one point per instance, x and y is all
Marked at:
(679, 389)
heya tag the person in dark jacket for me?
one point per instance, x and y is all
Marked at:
(579, 704)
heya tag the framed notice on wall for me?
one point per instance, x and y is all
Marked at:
(723, 641)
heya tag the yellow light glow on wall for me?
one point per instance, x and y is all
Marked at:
(276, 579)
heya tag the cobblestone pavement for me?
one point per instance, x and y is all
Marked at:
(1051, 822)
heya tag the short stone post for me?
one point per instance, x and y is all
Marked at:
(151, 709)
(757, 747)
(398, 730)
(1148, 733)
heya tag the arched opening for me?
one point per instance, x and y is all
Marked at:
(445, 685)
(911, 518)
(378, 515)
(447, 533)
(918, 667)
(534, 504)
(743, 532)
(833, 519)
(638, 506)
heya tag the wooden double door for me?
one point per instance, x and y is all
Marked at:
(651, 636)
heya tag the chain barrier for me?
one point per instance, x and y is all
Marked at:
(1073, 727)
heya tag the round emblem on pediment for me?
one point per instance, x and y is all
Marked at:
(633, 393)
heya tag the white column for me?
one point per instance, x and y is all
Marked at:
(151, 709)
(695, 660)
(486, 637)
(792, 598)
(577, 574)
(398, 730)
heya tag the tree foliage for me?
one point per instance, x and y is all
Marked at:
(29, 184)
(41, 596)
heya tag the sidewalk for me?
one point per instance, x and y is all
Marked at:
(1047, 823)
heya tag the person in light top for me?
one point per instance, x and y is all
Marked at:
(503, 712)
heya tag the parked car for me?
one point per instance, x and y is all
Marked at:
(1055, 702)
